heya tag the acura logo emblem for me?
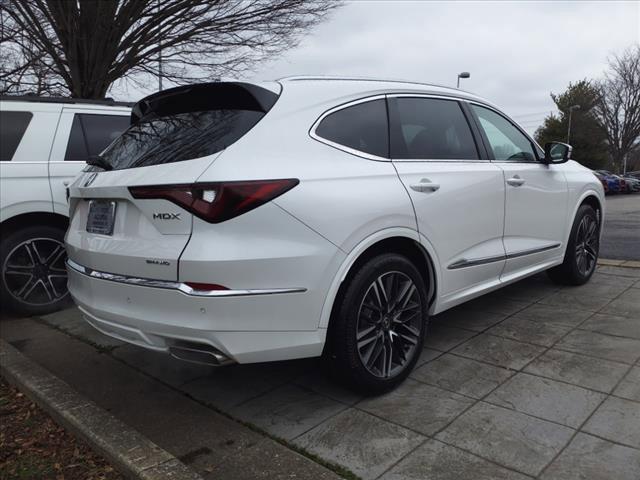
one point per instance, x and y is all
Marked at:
(91, 178)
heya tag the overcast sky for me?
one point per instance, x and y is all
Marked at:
(517, 52)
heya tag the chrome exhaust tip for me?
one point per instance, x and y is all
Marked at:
(199, 353)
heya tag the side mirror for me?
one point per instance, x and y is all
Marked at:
(557, 152)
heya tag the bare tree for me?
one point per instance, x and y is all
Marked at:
(84, 46)
(23, 70)
(619, 107)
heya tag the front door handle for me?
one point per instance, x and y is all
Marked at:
(425, 185)
(515, 181)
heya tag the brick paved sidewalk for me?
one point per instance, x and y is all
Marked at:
(531, 381)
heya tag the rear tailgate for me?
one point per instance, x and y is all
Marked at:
(175, 136)
(148, 235)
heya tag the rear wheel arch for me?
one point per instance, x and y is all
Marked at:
(379, 324)
(406, 247)
(32, 219)
(400, 242)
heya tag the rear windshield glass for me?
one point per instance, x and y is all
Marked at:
(188, 125)
(175, 138)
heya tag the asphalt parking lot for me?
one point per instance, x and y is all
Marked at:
(533, 381)
(621, 234)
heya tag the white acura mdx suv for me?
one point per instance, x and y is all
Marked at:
(237, 222)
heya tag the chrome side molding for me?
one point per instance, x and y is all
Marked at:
(464, 263)
(182, 287)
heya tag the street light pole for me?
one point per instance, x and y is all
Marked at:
(159, 70)
(159, 55)
(462, 75)
(571, 109)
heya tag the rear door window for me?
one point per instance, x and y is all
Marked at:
(92, 133)
(362, 127)
(430, 129)
(12, 128)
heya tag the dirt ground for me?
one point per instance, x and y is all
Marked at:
(33, 446)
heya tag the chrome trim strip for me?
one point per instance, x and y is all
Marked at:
(359, 153)
(532, 251)
(439, 160)
(182, 287)
(463, 263)
(438, 96)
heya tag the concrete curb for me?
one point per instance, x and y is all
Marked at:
(132, 454)
(619, 263)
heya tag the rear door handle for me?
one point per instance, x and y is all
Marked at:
(425, 185)
(515, 181)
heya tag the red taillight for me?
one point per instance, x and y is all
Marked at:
(220, 201)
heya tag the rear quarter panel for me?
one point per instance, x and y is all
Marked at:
(343, 197)
(348, 200)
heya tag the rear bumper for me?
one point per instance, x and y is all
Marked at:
(245, 326)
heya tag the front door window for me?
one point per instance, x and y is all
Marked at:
(507, 142)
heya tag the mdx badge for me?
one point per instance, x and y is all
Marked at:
(166, 216)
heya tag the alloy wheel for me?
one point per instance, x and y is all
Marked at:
(389, 324)
(587, 245)
(34, 271)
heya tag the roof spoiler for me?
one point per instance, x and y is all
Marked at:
(205, 96)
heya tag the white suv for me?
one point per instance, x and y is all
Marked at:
(235, 222)
(44, 143)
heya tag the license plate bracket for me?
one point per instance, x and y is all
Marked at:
(101, 217)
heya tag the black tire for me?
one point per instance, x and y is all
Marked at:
(582, 251)
(357, 310)
(37, 254)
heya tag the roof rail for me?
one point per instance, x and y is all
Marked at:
(360, 79)
(35, 98)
